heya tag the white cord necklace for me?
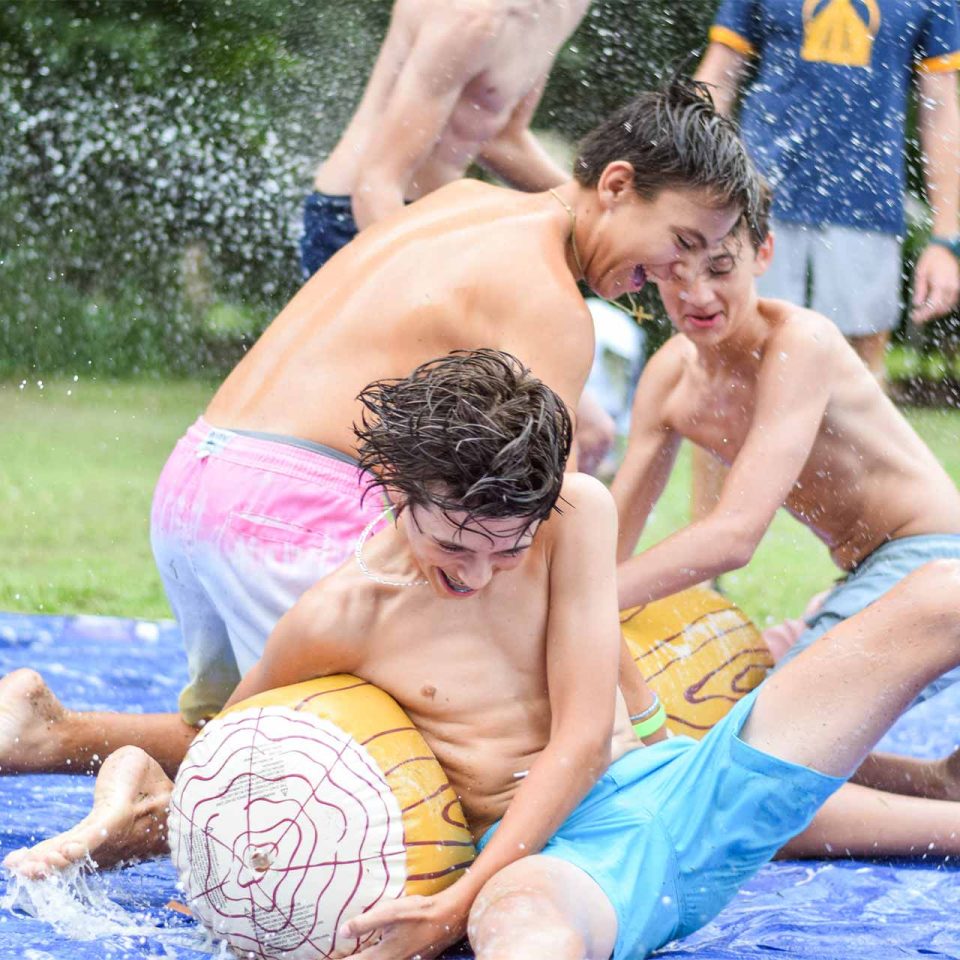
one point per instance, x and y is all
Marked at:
(365, 570)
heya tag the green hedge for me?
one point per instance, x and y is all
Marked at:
(137, 132)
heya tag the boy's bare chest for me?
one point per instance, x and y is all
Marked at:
(459, 657)
(716, 416)
(522, 52)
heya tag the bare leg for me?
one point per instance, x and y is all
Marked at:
(39, 735)
(826, 708)
(872, 349)
(542, 907)
(128, 820)
(936, 779)
(859, 822)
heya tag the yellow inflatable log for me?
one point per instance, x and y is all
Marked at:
(302, 807)
(699, 653)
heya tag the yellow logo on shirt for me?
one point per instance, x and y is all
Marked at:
(835, 32)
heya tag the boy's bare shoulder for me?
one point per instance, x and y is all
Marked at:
(585, 511)
(584, 502)
(663, 376)
(584, 491)
(673, 356)
(800, 324)
(335, 615)
(798, 334)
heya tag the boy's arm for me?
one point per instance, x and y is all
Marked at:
(723, 68)
(516, 156)
(936, 284)
(305, 643)
(446, 54)
(651, 449)
(582, 657)
(792, 391)
(637, 694)
(583, 661)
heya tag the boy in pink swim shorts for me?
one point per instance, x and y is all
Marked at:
(242, 524)
(658, 183)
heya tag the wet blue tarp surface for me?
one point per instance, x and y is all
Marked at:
(813, 910)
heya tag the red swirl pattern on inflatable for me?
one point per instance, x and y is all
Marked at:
(282, 827)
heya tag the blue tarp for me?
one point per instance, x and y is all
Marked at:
(814, 910)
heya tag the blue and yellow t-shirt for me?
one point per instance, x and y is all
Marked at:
(825, 117)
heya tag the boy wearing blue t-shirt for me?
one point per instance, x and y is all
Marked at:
(825, 121)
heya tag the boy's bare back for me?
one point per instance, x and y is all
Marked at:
(472, 265)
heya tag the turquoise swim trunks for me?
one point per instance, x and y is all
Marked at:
(871, 579)
(671, 831)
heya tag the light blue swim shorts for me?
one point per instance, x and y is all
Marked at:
(671, 831)
(871, 579)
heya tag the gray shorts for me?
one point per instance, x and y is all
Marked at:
(874, 576)
(855, 274)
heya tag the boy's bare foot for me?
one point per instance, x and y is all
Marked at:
(32, 721)
(128, 820)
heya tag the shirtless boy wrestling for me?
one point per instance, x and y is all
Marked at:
(606, 847)
(261, 498)
(775, 392)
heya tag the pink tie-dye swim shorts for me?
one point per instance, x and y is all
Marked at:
(241, 526)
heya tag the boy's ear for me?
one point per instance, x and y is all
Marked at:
(615, 183)
(763, 256)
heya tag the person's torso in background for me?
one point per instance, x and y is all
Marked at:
(825, 118)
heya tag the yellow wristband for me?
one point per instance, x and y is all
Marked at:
(651, 725)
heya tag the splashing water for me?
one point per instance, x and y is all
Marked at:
(76, 905)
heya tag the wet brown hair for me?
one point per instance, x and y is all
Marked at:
(473, 431)
(674, 138)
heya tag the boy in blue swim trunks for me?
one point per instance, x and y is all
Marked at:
(774, 392)
(488, 611)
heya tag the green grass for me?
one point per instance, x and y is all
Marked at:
(791, 564)
(78, 461)
(905, 361)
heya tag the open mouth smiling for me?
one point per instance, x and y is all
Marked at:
(454, 585)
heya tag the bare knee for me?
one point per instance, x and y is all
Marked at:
(522, 924)
(515, 918)
(931, 591)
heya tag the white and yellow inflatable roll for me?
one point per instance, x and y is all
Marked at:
(302, 807)
(699, 653)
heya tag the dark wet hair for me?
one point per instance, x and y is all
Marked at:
(675, 139)
(473, 431)
(759, 225)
